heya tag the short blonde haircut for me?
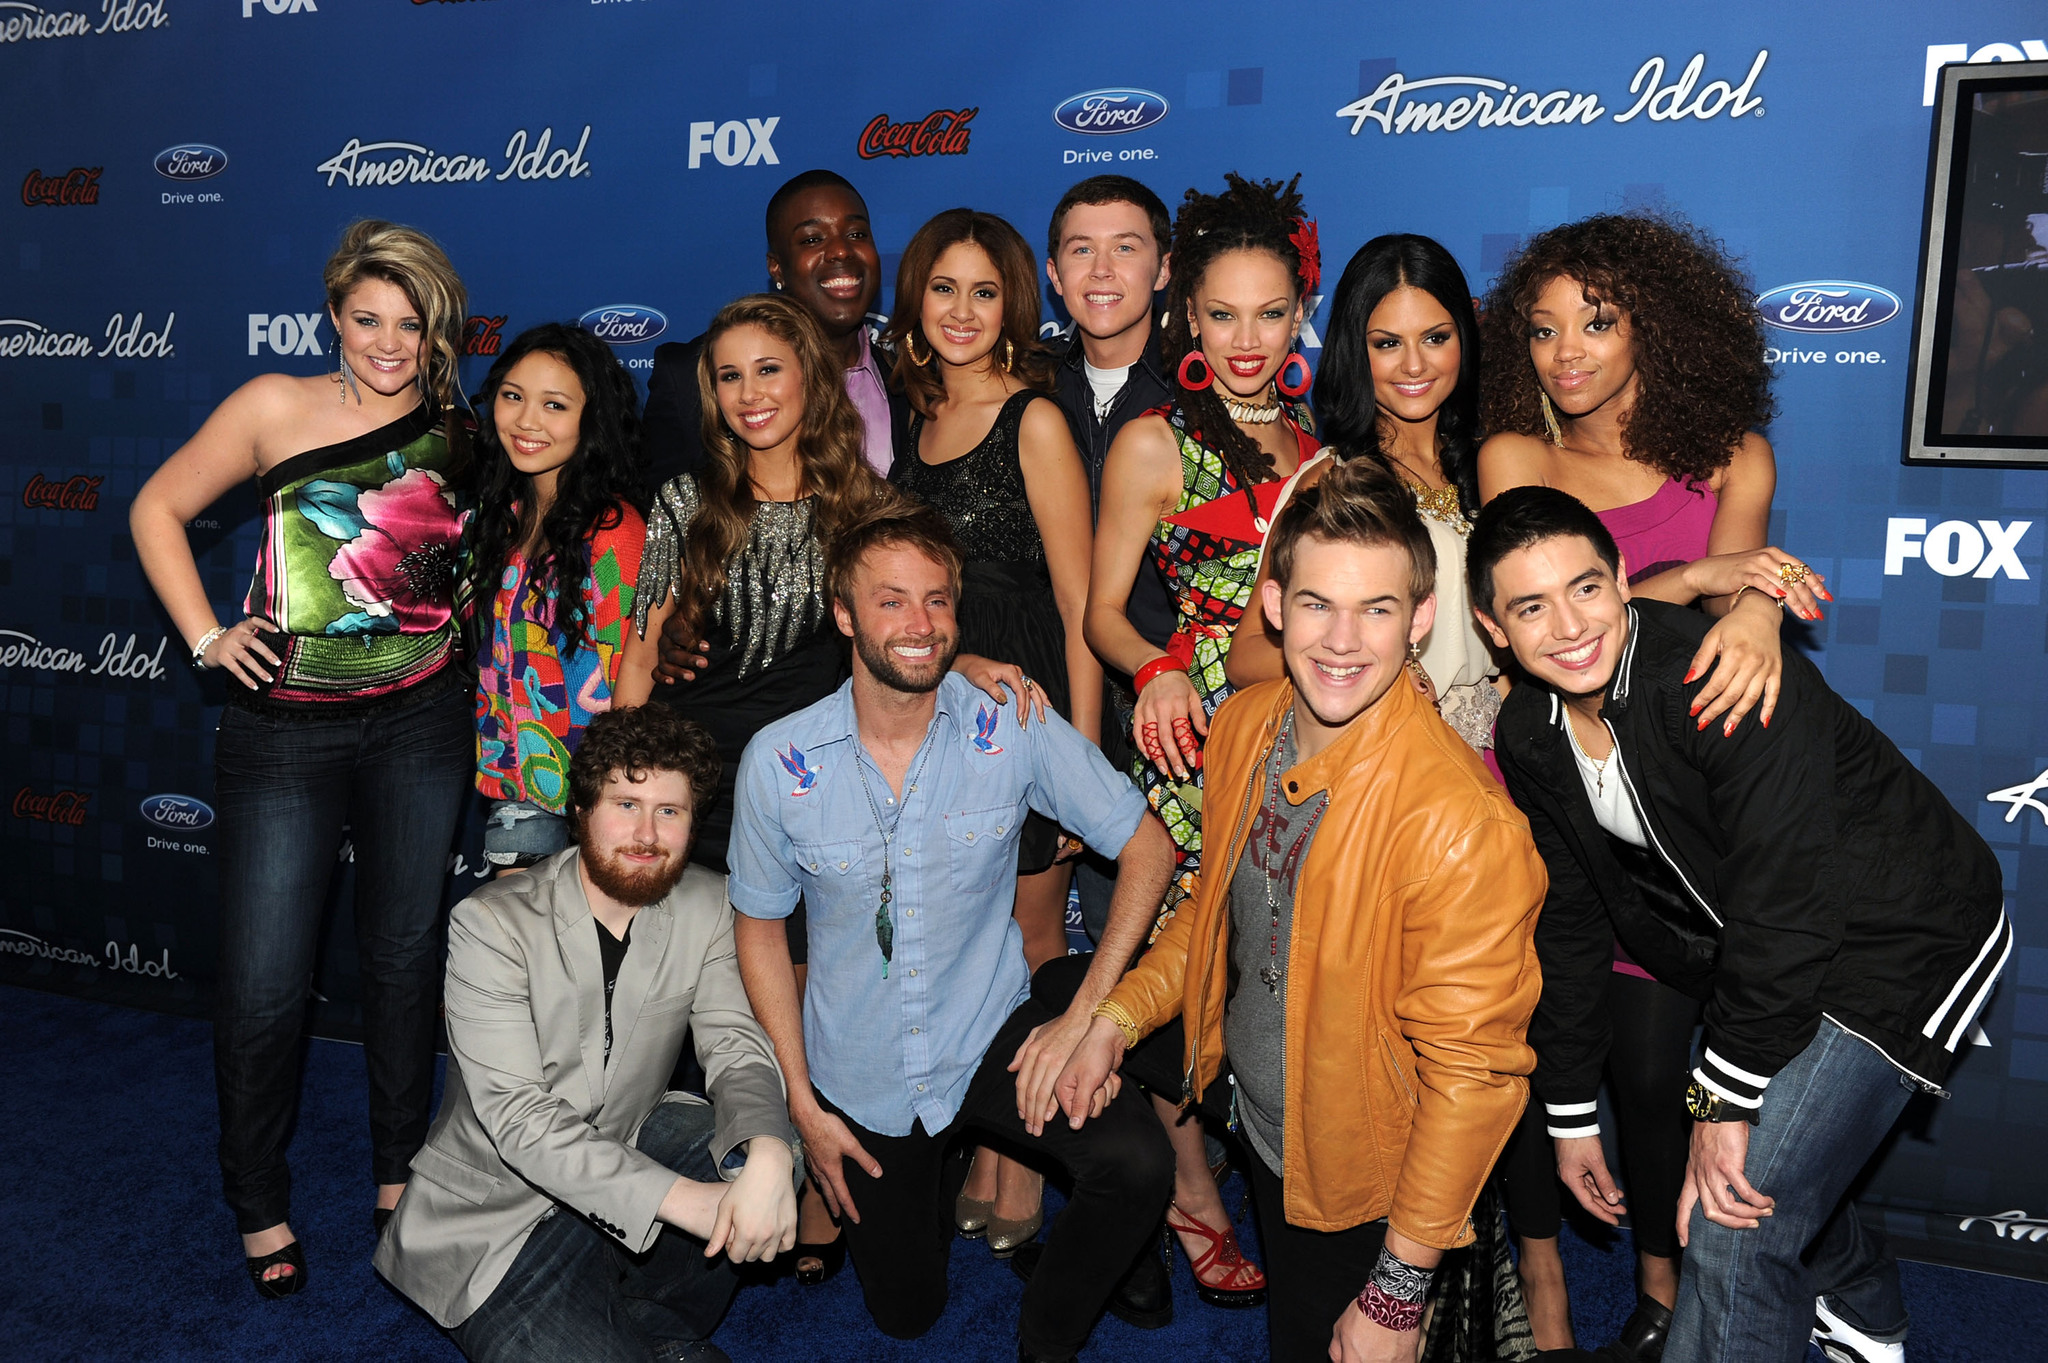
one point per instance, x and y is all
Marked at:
(412, 260)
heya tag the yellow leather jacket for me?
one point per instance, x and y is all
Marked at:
(1411, 966)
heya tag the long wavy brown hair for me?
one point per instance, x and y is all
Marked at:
(1702, 382)
(1017, 270)
(829, 442)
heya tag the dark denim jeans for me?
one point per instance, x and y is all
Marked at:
(286, 785)
(575, 1296)
(1746, 1296)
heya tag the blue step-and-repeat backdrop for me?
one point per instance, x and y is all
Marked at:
(185, 166)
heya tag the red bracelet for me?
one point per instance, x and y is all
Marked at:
(1382, 1309)
(1164, 663)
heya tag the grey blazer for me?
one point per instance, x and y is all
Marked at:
(532, 1119)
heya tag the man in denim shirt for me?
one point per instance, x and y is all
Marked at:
(892, 808)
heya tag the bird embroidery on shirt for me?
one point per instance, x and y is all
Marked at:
(793, 762)
(985, 721)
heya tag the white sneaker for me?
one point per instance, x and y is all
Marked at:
(1844, 1343)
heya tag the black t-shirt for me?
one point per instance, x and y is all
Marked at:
(612, 951)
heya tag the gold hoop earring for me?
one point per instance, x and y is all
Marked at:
(1550, 418)
(1009, 354)
(910, 349)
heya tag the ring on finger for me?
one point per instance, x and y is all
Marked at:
(1792, 572)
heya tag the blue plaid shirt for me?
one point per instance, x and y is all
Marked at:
(887, 1051)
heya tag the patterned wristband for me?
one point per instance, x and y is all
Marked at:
(1382, 1309)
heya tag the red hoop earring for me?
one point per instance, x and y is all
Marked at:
(1191, 384)
(1297, 388)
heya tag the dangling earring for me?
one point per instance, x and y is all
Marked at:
(347, 378)
(910, 349)
(1550, 418)
(1195, 385)
(1009, 354)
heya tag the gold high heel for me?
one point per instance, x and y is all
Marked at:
(1005, 1235)
(971, 1216)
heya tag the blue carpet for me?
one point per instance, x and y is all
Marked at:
(114, 1243)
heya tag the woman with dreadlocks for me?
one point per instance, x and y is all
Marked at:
(1193, 485)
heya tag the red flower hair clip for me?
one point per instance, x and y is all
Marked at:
(1304, 238)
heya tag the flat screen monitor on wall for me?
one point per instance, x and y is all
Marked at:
(1979, 391)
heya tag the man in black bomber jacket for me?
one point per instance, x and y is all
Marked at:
(1841, 922)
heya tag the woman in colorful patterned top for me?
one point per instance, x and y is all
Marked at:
(557, 502)
(349, 708)
(1193, 485)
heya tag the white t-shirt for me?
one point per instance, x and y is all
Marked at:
(1612, 809)
(1107, 383)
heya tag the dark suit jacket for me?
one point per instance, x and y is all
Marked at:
(672, 439)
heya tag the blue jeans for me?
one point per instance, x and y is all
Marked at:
(286, 785)
(574, 1295)
(1746, 1296)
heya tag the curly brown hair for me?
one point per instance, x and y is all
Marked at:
(635, 742)
(1702, 381)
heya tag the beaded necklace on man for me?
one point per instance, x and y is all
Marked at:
(885, 919)
(1272, 971)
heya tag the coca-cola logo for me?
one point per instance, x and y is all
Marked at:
(79, 492)
(942, 132)
(177, 811)
(361, 163)
(190, 161)
(624, 323)
(57, 806)
(125, 338)
(482, 335)
(1827, 305)
(22, 22)
(77, 186)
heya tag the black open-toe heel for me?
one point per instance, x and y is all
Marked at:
(830, 1256)
(284, 1284)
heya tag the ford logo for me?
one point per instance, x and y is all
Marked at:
(1101, 112)
(624, 324)
(191, 161)
(181, 812)
(1827, 305)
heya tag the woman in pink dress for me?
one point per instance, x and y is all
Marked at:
(1626, 367)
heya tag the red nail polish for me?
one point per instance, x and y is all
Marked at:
(1702, 724)
(1728, 729)
(1689, 676)
(1767, 721)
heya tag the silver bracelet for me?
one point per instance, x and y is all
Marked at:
(206, 641)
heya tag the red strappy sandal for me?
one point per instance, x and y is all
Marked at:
(1223, 1276)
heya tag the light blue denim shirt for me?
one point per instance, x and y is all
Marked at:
(887, 1051)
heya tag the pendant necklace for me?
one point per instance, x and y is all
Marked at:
(885, 922)
(1271, 972)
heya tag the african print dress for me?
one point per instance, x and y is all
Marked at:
(1207, 549)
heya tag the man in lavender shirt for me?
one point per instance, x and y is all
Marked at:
(821, 252)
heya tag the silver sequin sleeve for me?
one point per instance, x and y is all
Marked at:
(661, 558)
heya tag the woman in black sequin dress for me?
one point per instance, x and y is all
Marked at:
(993, 453)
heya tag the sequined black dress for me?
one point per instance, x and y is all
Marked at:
(1006, 609)
(774, 647)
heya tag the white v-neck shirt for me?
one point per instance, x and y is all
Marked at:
(1612, 809)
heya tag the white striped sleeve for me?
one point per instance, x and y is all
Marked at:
(1739, 1086)
(1567, 1120)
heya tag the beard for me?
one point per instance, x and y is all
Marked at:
(900, 674)
(635, 885)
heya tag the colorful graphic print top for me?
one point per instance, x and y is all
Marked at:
(358, 563)
(531, 702)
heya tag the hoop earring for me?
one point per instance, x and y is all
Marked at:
(1009, 354)
(1550, 422)
(910, 349)
(1194, 385)
(1294, 361)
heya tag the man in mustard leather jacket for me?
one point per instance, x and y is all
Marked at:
(1361, 943)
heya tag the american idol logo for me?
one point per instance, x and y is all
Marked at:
(191, 161)
(1827, 305)
(624, 323)
(1102, 112)
(177, 811)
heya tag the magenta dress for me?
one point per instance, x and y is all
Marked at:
(1665, 530)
